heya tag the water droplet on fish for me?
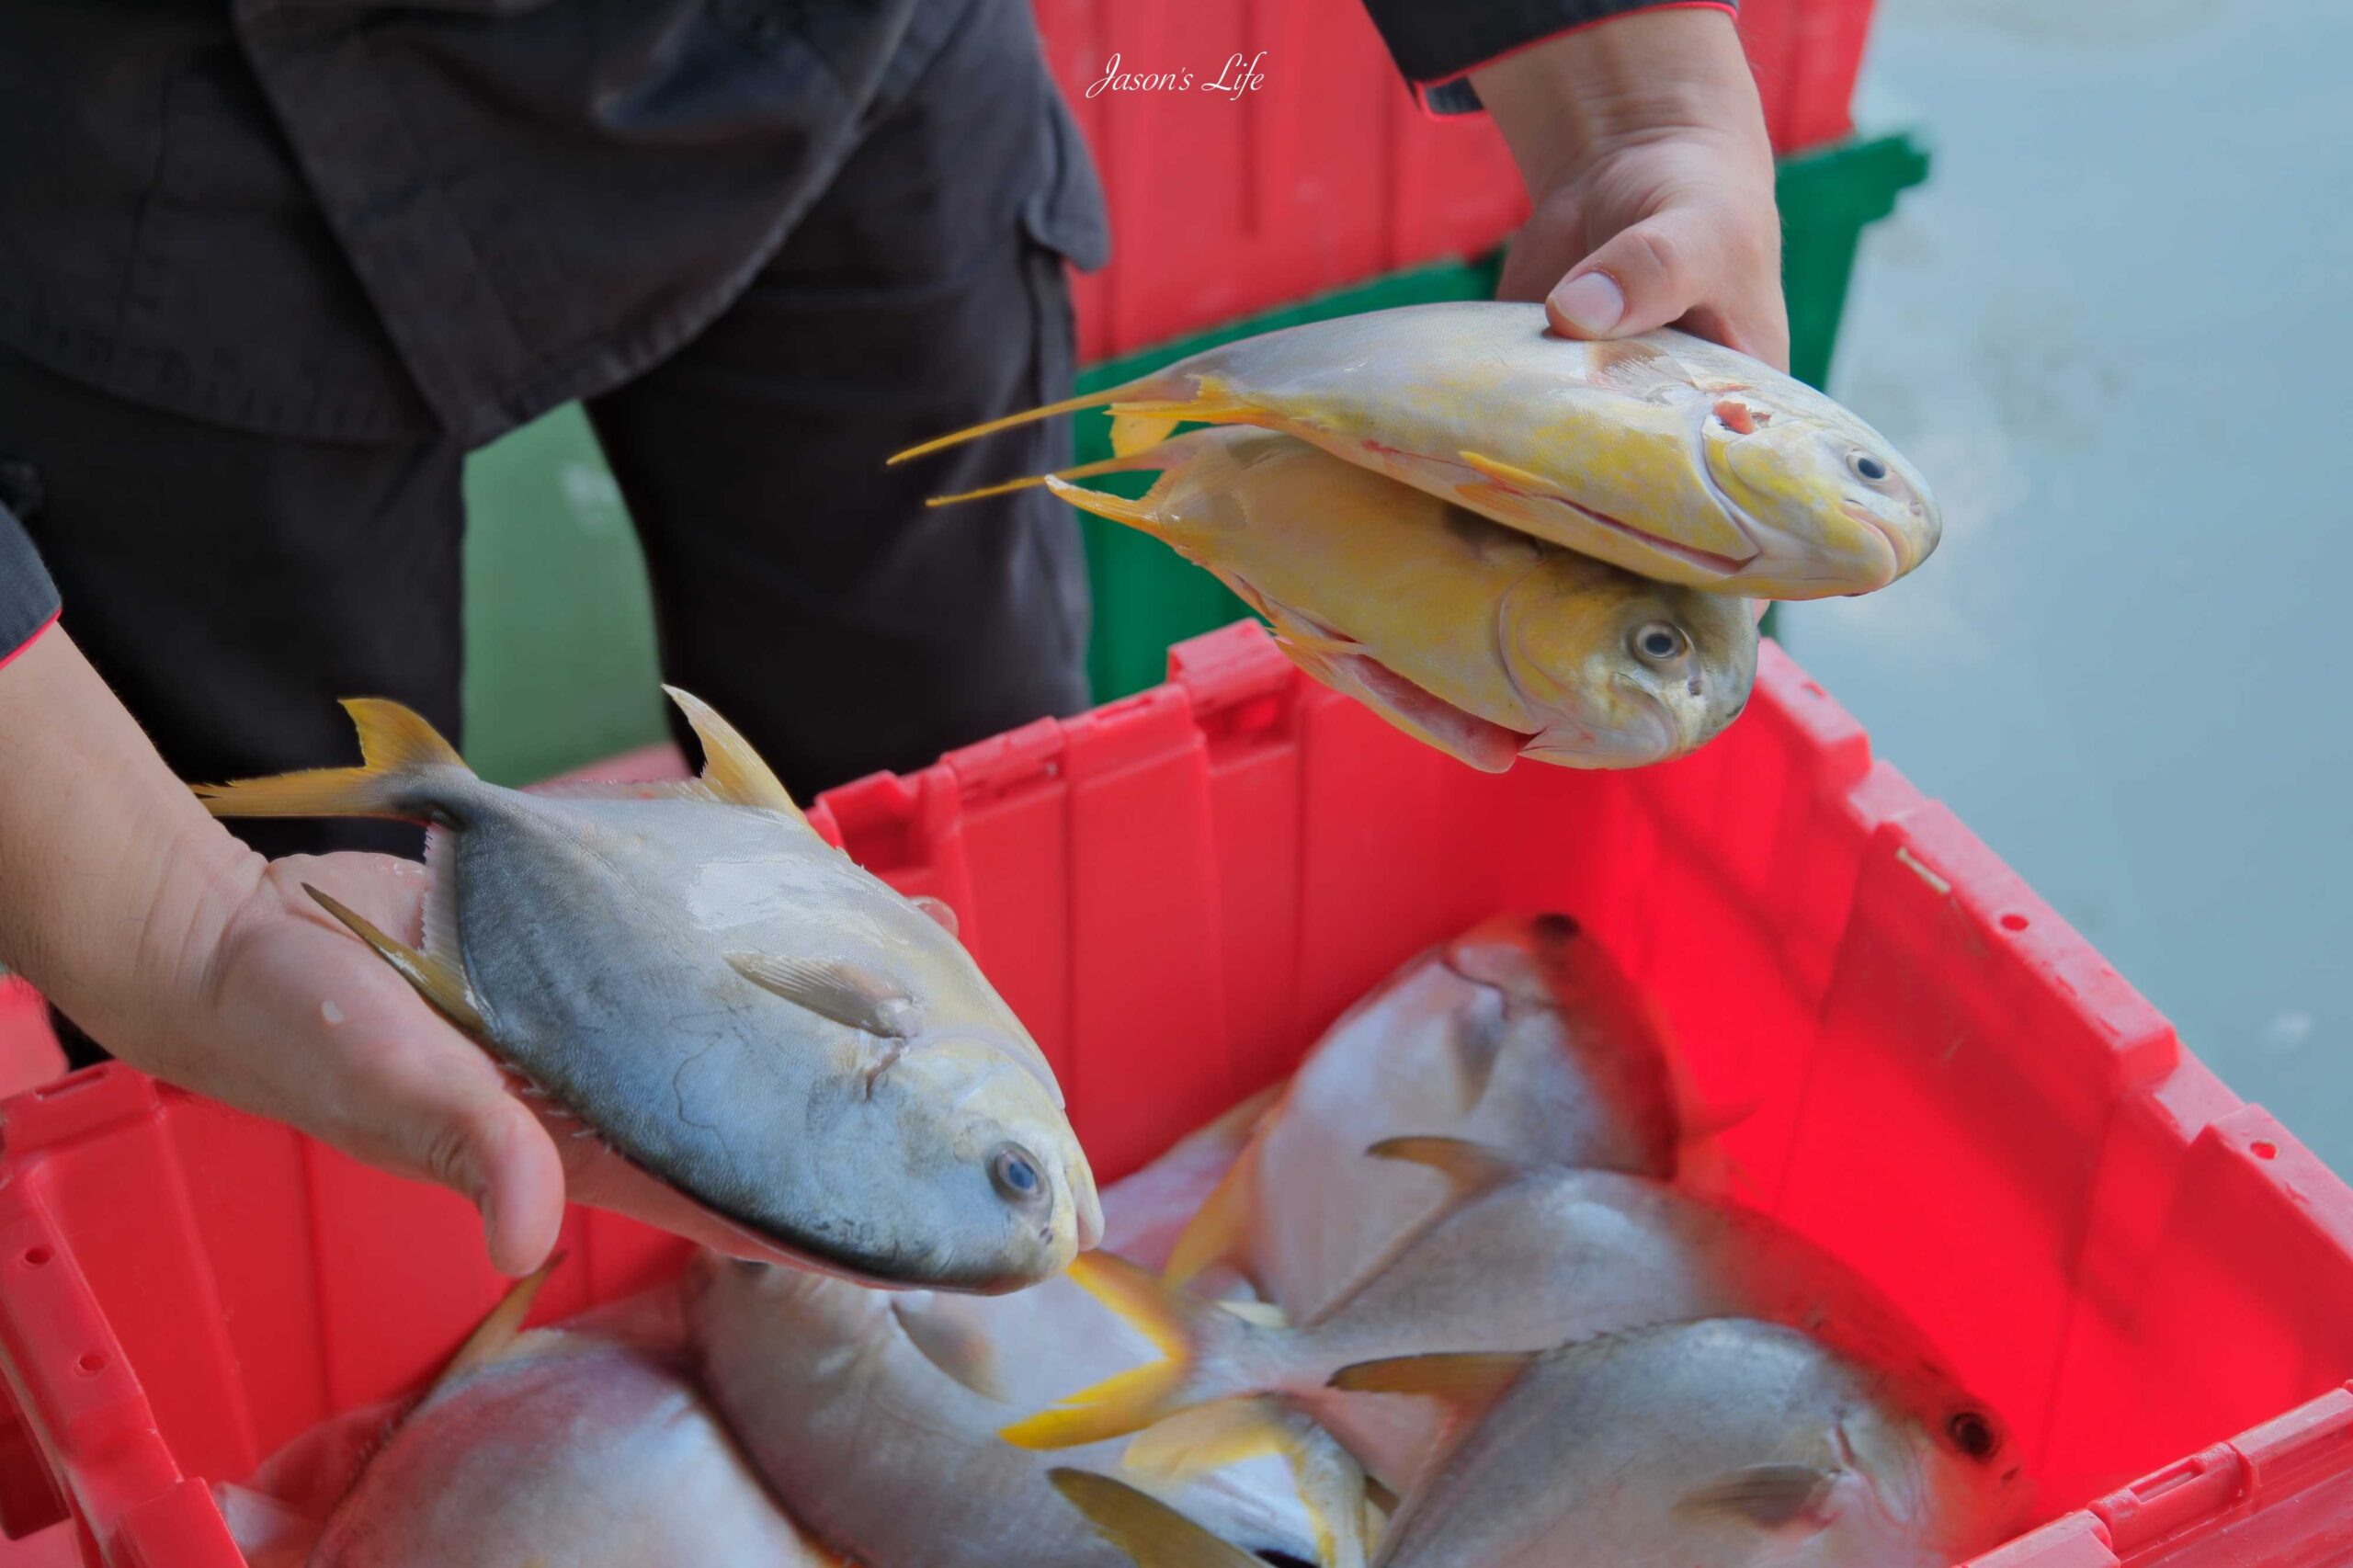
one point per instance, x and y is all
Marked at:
(330, 1012)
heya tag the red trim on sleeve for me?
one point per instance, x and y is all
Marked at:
(1421, 89)
(10, 657)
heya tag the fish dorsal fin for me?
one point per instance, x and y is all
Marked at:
(1771, 1496)
(954, 1346)
(1152, 1534)
(499, 1328)
(1469, 1168)
(1465, 1382)
(437, 977)
(396, 745)
(848, 993)
(730, 767)
(943, 914)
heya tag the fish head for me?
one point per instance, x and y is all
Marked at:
(997, 1193)
(1830, 505)
(1625, 671)
(1937, 1461)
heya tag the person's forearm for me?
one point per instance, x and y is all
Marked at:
(1644, 74)
(114, 883)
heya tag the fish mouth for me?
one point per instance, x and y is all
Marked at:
(1665, 736)
(1895, 550)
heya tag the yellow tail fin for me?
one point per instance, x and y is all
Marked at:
(1130, 1400)
(1207, 402)
(396, 745)
(1152, 1534)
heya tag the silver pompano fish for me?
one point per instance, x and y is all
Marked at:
(1664, 454)
(1721, 1443)
(562, 1448)
(1470, 636)
(1530, 1260)
(874, 1417)
(1521, 1034)
(731, 1002)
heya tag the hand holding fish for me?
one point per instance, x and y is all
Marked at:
(1644, 146)
(191, 957)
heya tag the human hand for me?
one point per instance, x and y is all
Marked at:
(1642, 145)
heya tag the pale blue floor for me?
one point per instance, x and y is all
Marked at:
(2116, 331)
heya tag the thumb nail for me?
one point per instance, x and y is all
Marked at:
(1594, 302)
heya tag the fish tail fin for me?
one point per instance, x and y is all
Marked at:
(1140, 515)
(1190, 1334)
(1219, 1230)
(396, 747)
(1152, 1534)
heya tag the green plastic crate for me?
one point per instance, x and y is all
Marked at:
(561, 667)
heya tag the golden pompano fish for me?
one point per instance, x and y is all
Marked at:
(1726, 1443)
(1664, 454)
(1522, 1034)
(559, 1448)
(731, 1002)
(1475, 638)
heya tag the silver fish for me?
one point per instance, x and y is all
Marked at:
(1530, 1259)
(561, 1448)
(1726, 1443)
(1521, 1034)
(731, 1004)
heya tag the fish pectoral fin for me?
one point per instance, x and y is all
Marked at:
(957, 1347)
(1470, 1168)
(1516, 480)
(396, 745)
(846, 993)
(1771, 1496)
(1151, 1532)
(499, 1328)
(731, 768)
(1466, 1382)
(1298, 633)
(438, 980)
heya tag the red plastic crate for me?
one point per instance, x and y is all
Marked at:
(1330, 173)
(29, 1054)
(1177, 891)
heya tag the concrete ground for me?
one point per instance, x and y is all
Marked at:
(2114, 330)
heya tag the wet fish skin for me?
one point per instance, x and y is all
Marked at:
(643, 956)
(1522, 1034)
(567, 1449)
(1726, 1443)
(1662, 453)
(1473, 637)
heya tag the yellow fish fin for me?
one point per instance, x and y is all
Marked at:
(1470, 1168)
(1514, 479)
(438, 980)
(731, 768)
(1219, 1230)
(850, 994)
(1151, 1532)
(1120, 464)
(1137, 514)
(1133, 432)
(396, 745)
(1466, 1382)
(991, 426)
(499, 1327)
(1175, 1323)
(1191, 1443)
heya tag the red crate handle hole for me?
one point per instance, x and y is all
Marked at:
(92, 1363)
(2014, 922)
(38, 1257)
(2263, 1149)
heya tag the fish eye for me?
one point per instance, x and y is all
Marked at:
(1867, 466)
(1014, 1171)
(1973, 1434)
(1658, 642)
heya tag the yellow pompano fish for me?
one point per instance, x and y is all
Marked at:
(1664, 454)
(1475, 638)
(732, 1005)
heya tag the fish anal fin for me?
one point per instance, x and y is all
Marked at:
(437, 977)
(731, 769)
(499, 1328)
(1151, 1532)
(958, 1349)
(1470, 1168)
(846, 993)
(1466, 1382)
(1771, 1496)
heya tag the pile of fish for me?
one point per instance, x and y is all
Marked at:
(1462, 1291)
(1506, 542)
